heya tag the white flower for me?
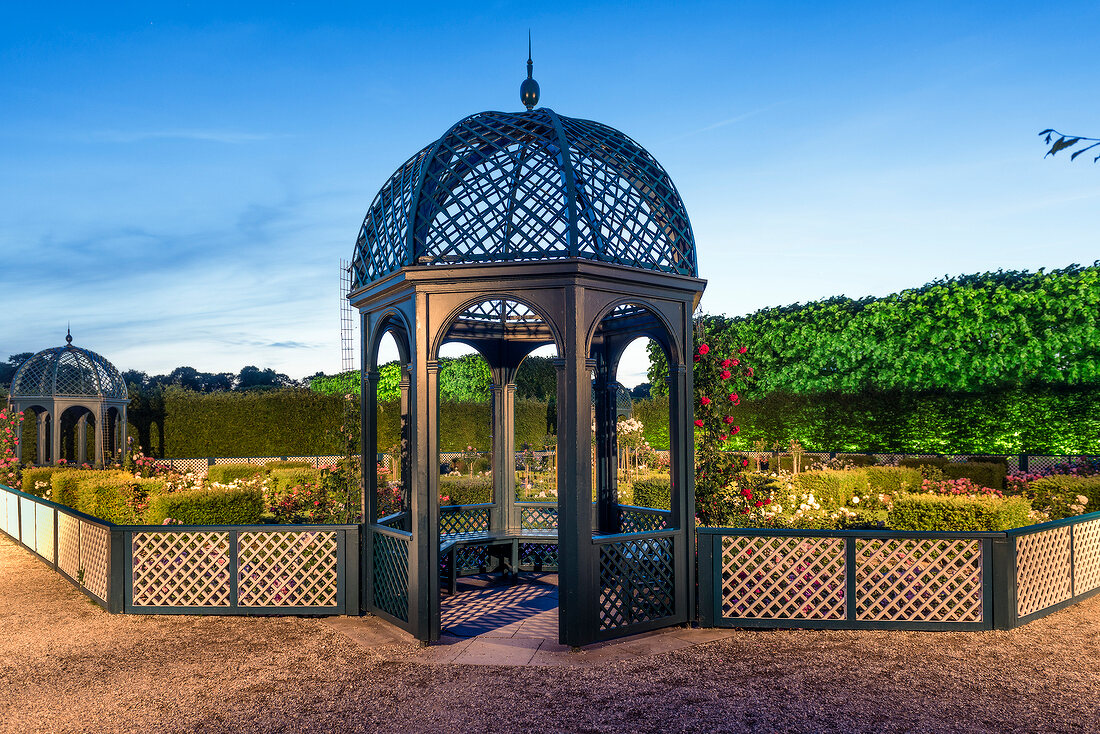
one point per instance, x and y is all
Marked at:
(803, 507)
(855, 500)
(1082, 499)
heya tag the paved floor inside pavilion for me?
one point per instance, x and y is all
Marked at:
(495, 621)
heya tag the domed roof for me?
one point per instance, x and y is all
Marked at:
(516, 186)
(68, 371)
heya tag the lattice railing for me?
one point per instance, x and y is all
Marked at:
(181, 569)
(1086, 556)
(68, 544)
(1043, 576)
(26, 521)
(919, 580)
(642, 520)
(783, 577)
(95, 557)
(391, 575)
(538, 556)
(287, 569)
(637, 582)
(538, 518)
(44, 520)
(463, 520)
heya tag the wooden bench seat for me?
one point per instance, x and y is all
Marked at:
(501, 540)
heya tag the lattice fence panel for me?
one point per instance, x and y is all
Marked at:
(26, 520)
(1042, 463)
(539, 518)
(1042, 570)
(287, 569)
(637, 582)
(188, 466)
(391, 575)
(472, 559)
(918, 580)
(95, 557)
(783, 578)
(12, 513)
(1086, 556)
(327, 460)
(638, 521)
(538, 556)
(68, 544)
(464, 521)
(181, 569)
(44, 545)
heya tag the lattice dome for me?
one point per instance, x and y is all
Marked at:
(68, 371)
(507, 187)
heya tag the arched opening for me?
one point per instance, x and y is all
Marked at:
(78, 434)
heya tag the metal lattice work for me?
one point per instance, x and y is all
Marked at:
(1042, 570)
(287, 569)
(538, 518)
(538, 556)
(68, 544)
(68, 371)
(919, 580)
(471, 559)
(391, 576)
(509, 187)
(460, 522)
(95, 557)
(642, 521)
(636, 582)
(43, 543)
(181, 569)
(1086, 556)
(783, 578)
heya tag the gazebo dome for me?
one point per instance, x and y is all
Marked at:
(68, 371)
(520, 186)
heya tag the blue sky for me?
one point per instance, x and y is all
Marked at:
(180, 180)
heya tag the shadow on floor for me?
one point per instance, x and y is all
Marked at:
(488, 604)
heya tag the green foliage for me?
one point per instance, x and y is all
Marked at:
(465, 490)
(970, 333)
(928, 512)
(1057, 494)
(287, 465)
(32, 476)
(892, 480)
(226, 473)
(232, 506)
(915, 462)
(283, 479)
(63, 484)
(653, 415)
(857, 459)
(833, 488)
(114, 496)
(654, 491)
(990, 475)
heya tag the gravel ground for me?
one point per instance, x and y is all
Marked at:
(65, 665)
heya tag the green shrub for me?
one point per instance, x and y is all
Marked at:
(655, 492)
(233, 506)
(283, 479)
(833, 488)
(114, 496)
(916, 462)
(990, 475)
(64, 483)
(1055, 494)
(226, 473)
(465, 490)
(893, 480)
(857, 459)
(930, 512)
(33, 476)
(989, 460)
(287, 465)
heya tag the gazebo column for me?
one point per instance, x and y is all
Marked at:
(578, 588)
(43, 440)
(681, 435)
(369, 430)
(102, 431)
(82, 439)
(504, 456)
(55, 435)
(424, 495)
(607, 489)
(18, 435)
(404, 438)
(124, 436)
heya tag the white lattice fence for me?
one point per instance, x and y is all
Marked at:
(95, 558)
(68, 544)
(1086, 556)
(919, 580)
(783, 578)
(287, 569)
(43, 515)
(12, 514)
(1042, 570)
(181, 569)
(26, 521)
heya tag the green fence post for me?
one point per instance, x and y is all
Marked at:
(1004, 583)
(709, 588)
(352, 606)
(116, 589)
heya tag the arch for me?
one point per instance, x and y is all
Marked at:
(391, 321)
(440, 336)
(666, 336)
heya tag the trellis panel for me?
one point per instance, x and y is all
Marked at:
(391, 575)
(287, 569)
(68, 544)
(538, 518)
(783, 578)
(95, 557)
(637, 582)
(919, 580)
(634, 520)
(1086, 556)
(1042, 570)
(44, 545)
(181, 569)
(26, 521)
(467, 520)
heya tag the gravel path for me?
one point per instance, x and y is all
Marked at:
(65, 665)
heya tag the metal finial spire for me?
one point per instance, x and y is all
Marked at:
(529, 89)
(68, 334)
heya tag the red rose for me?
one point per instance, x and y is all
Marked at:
(726, 363)
(728, 419)
(745, 462)
(697, 358)
(703, 349)
(725, 374)
(736, 430)
(759, 503)
(699, 422)
(704, 400)
(742, 350)
(735, 398)
(723, 437)
(749, 372)
(735, 362)
(768, 501)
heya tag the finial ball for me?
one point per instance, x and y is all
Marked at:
(529, 93)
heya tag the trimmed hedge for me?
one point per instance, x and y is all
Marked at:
(227, 473)
(283, 479)
(32, 476)
(893, 480)
(465, 490)
(833, 488)
(655, 492)
(235, 506)
(933, 512)
(916, 462)
(287, 465)
(985, 474)
(107, 495)
(1068, 487)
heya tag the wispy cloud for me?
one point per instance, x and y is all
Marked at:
(230, 137)
(731, 121)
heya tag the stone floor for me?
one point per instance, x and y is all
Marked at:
(493, 621)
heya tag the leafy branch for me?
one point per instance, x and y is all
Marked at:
(1065, 142)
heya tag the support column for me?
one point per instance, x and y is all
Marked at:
(102, 431)
(55, 435)
(43, 440)
(125, 442)
(681, 434)
(82, 439)
(607, 452)
(402, 458)
(369, 397)
(424, 494)
(504, 456)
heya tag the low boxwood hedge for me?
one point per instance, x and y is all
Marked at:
(221, 506)
(986, 474)
(946, 513)
(654, 491)
(226, 473)
(465, 490)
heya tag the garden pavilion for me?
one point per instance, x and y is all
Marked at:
(70, 389)
(512, 231)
